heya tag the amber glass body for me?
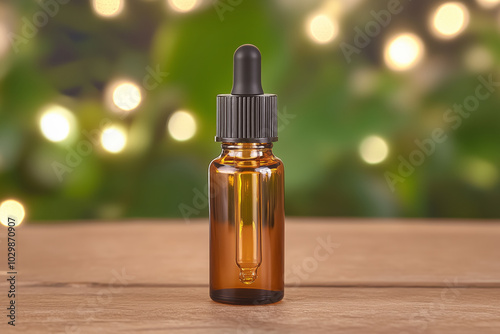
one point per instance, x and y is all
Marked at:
(246, 225)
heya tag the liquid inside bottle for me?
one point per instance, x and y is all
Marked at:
(246, 225)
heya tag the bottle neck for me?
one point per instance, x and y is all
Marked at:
(247, 150)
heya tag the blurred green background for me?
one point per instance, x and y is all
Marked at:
(107, 107)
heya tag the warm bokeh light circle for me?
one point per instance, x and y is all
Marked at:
(373, 150)
(403, 52)
(114, 139)
(11, 209)
(181, 125)
(322, 29)
(449, 20)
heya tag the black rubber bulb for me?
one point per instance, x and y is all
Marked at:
(246, 71)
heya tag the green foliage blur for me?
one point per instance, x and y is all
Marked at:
(328, 106)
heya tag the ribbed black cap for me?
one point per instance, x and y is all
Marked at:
(247, 115)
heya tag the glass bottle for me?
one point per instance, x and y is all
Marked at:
(246, 225)
(246, 185)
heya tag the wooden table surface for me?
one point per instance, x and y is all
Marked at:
(342, 276)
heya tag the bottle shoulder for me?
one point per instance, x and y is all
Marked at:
(272, 163)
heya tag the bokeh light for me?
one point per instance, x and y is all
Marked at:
(56, 123)
(13, 209)
(363, 81)
(449, 20)
(403, 52)
(127, 96)
(183, 5)
(479, 172)
(373, 150)
(181, 125)
(322, 29)
(114, 139)
(488, 3)
(108, 8)
(478, 59)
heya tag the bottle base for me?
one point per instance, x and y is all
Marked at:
(246, 296)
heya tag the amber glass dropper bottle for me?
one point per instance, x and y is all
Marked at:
(246, 192)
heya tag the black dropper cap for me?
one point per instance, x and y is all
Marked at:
(247, 115)
(246, 71)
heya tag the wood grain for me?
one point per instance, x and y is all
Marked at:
(379, 276)
(380, 253)
(304, 310)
